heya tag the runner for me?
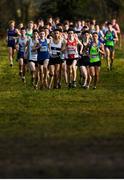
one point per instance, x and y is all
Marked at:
(43, 59)
(40, 24)
(21, 25)
(50, 20)
(110, 39)
(100, 33)
(57, 45)
(47, 32)
(96, 48)
(84, 61)
(72, 57)
(92, 28)
(21, 46)
(66, 27)
(104, 27)
(83, 23)
(12, 34)
(116, 27)
(29, 30)
(63, 64)
(32, 57)
(35, 26)
(78, 28)
(59, 26)
(56, 21)
(93, 22)
(49, 26)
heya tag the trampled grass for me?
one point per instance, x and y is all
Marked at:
(61, 133)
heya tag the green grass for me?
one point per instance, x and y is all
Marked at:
(61, 133)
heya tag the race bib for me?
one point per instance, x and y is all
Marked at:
(44, 49)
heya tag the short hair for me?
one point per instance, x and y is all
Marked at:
(11, 21)
(95, 33)
(50, 16)
(84, 32)
(109, 23)
(30, 22)
(65, 31)
(45, 27)
(35, 30)
(59, 24)
(42, 30)
(23, 28)
(48, 24)
(71, 29)
(57, 18)
(71, 26)
(57, 29)
(85, 27)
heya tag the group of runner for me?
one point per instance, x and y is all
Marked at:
(52, 50)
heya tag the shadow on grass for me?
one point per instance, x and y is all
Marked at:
(59, 158)
(26, 152)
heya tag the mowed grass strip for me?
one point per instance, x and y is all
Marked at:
(61, 133)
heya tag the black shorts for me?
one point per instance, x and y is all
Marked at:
(20, 55)
(9, 45)
(84, 61)
(35, 62)
(95, 64)
(54, 61)
(41, 62)
(111, 48)
(24, 60)
(69, 62)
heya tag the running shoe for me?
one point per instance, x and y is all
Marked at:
(94, 87)
(74, 84)
(59, 85)
(70, 85)
(23, 79)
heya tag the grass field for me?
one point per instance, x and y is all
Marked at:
(61, 133)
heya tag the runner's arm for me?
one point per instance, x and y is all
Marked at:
(116, 36)
(63, 46)
(118, 29)
(81, 46)
(17, 44)
(101, 49)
